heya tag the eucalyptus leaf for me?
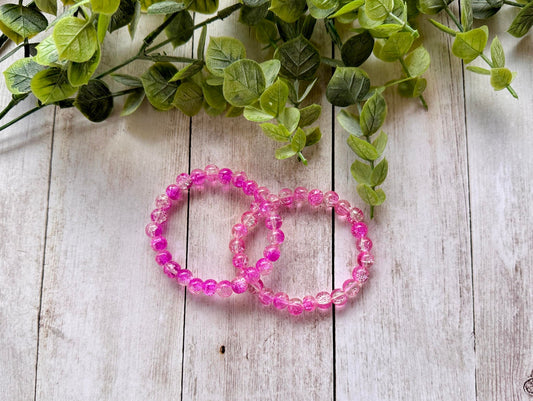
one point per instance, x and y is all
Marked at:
(500, 78)
(244, 82)
(133, 102)
(309, 114)
(380, 142)
(362, 148)
(413, 87)
(51, 85)
(290, 117)
(357, 49)
(75, 39)
(347, 86)
(385, 30)
(349, 7)
(156, 82)
(47, 6)
(105, 6)
(396, 46)
(204, 6)
(214, 97)
(312, 136)
(432, 6)
(270, 69)
(18, 75)
(497, 54)
(349, 122)
(274, 98)
(319, 13)
(307, 90)
(285, 152)
(101, 29)
(180, 29)
(469, 45)
(483, 9)
(522, 22)
(123, 16)
(361, 172)
(266, 32)
(127, 80)
(214, 81)
(299, 59)
(234, 111)
(298, 140)
(94, 100)
(47, 52)
(212, 111)
(467, 15)
(189, 98)
(381, 197)
(132, 26)
(379, 173)
(257, 115)
(288, 10)
(255, 3)
(478, 70)
(443, 28)
(373, 114)
(417, 62)
(80, 73)
(365, 21)
(19, 22)
(276, 132)
(166, 7)
(253, 15)
(188, 71)
(378, 10)
(222, 52)
(368, 195)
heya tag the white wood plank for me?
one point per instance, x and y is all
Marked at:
(500, 164)
(24, 166)
(111, 322)
(409, 335)
(268, 354)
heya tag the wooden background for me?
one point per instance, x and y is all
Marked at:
(448, 314)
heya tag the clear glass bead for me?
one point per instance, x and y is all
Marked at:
(275, 237)
(240, 260)
(212, 172)
(183, 181)
(273, 222)
(351, 288)
(286, 197)
(365, 259)
(331, 198)
(264, 266)
(236, 245)
(355, 214)
(360, 274)
(342, 208)
(153, 230)
(323, 300)
(363, 244)
(249, 219)
(163, 202)
(159, 216)
(338, 297)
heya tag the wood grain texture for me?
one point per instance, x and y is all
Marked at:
(501, 168)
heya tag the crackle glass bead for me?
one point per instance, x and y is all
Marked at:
(264, 266)
(275, 237)
(198, 176)
(255, 288)
(338, 297)
(360, 274)
(212, 172)
(249, 219)
(267, 207)
(249, 187)
(295, 306)
(315, 197)
(363, 244)
(153, 230)
(351, 288)
(224, 289)
(272, 253)
(331, 198)
(225, 175)
(323, 300)
(173, 192)
(210, 287)
(300, 194)
(239, 179)
(159, 216)
(251, 274)
(342, 208)
(260, 194)
(195, 286)
(273, 222)
(355, 214)
(163, 202)
(158, 243)
(309, 303)
(281, 300)
(183, 181)
(236, 245)
(286, 197)
(239, 230)
(255, 208)
(266, 296)
(184, 276)
(171, 269)
(359, 229)
(240, 260)
(239, 285)
(163, 257)
(274, 200)
(365, 259)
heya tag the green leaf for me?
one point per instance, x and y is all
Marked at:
(189, 98)
(51, 85)
(362, 148)
(47, 6)
(127, 80)
(18, 75)
(298, 140)
(200, 52)
(266, 32)
(312, 136)
(379, 173)
(361, 172)
(254, 3)
(166, 7)
(522, 22)
(214, 97)
(484, 9)
(285, 152)
(19, 22)
(309, 114)
(105, 6)
(347, 86)
(253, 15)
(378, 10)
(270, 69)
(417, 61)
(181, 28)
(380, 142)
(385, 30)
(496, 52)
(159, 91)
(373, 114)
(288, 10)
(133, 101)
(396, 46)
(320, 13)
(274, 98)
(381, 196)
(432, 6)
(467, 16)
(469, 45)
(290, 118)
(123, 16)
(244, 82)
(307, 90)
(101, 28)
(47, 52)
(478, 70)
(276, 132)
(75, 39)
(299, 59)
(213, 112)
(350, 122)
(348, 8)
(443, 28)
(500, 78)
(234, 111)
(365, 22)
(204, 6)
(94, 100)
(214, 81)
(188, 71)
(256, 115)
(413, 87)
(80, 73)
(357, 49)
(368, 195)
(132, 26)
(222, 52)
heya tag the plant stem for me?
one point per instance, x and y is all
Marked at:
(331, 62)
(124, 92)
(11, 52)
(302, 158)
(404, 24)
(3, 40)
(164, 57)
(117, 67)
(332, 32)
(406, 70)
(512, 3)
(31, 111)
(453, 17)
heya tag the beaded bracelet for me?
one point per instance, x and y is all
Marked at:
(324, 299)
(173, 193)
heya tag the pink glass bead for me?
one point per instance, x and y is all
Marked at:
(255, 208)
(212, 172)
(338, 297)
(198, 176)
(158, 243)
(173, 192)
(272, 253)
(224, 289)
(355, 214)
(249, 219)
(163, 202)
(240, 260)
(184, 276)
(363, 244)
(365, 259)
(359, 229)
(267, 207)
(315, 197)
(260, 194)
(236, 245)
(266, 296)
(171, 269)
(286, 197)
(300, 194)
(153, 230)
(274, 200)
(239, 285)
(252, 275)
(275, 237)
(309, 303)
(273, 222)
(249, 187)
(360, 274)
(195, 286)
(281, 300)
(239, 230)
(163, 257)
(224, 175)
(210, 287)
(342, 208)
(255, 288)
(331, 198)
(239, 179)
(295, 307)
(351, 288)
(183, 181)
(159, 216)
(323, 300)
(264, 266)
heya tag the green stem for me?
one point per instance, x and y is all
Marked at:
(332, 32)
(31, 111)
(512, 3)
(404, 24)
(124, 92)
(302, 158)
(406, 70)
(11, 52)
(453, 17)
(331, 62)
(117, 67)
(3, 39)
(164, 57)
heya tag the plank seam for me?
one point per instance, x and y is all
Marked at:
(334, 331)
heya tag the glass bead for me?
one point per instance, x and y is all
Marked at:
(163, 202)
(273, 222)
(158, 243)
(224, 289)
(272, 253)
(251, 274)
(359, 229)
(255, 288)
(315, 197)
(183, 181)
(355, 214)
(309, 303)
(239, 285)
(295, 306)
(240, 260)
(260, 194)
(365, 259)
(275, 237)
(360, 274)
(274, 200)
(264, 266)
(225, 175)
(351, 288)
(249, 219)
(255, 208)
(210, 287)
(171, 269)
(338, 297)
(236, 245)
(239, 179)
(198, 176)
(159, 216)
(267, 207)
(363, 244)
(342, 208)
(212, 172)
(184, 276)
(153, 230)
(281, 300)
(249, 187)
(195, 286)
(300, 194)
(331, 198)
(163, 257)
(239, 230)
(286, 197)
(173, 192)
(266, 296)
(323, 300)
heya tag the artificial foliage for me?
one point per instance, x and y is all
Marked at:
(62, 68)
